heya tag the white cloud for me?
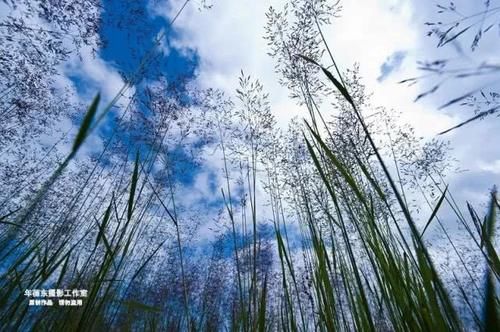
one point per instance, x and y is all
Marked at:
(229, 37)
(95, 74)
(493, 167)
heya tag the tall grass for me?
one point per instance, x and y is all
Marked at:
(363, 264)
(384, 280)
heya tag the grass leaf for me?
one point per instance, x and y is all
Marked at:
(86, 123)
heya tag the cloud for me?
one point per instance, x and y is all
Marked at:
(228, 38)
(493, 167)
(91, 74)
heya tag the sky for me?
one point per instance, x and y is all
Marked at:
(212, 41)
(387, 38)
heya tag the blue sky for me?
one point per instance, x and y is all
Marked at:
(393, 63)
(129, 32)
(125, 47)
(386, 37)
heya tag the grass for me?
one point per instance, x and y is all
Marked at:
(362, 265)
(385, 280)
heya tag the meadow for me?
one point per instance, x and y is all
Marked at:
(319, 229)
